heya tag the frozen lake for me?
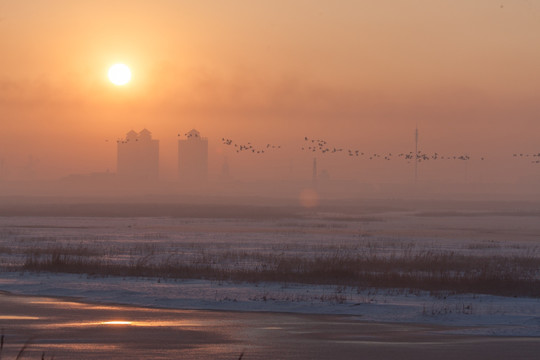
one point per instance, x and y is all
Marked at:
(68, 329)
(195, 316)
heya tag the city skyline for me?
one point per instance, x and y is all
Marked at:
(324, 152)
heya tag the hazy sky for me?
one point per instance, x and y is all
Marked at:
(360, 74)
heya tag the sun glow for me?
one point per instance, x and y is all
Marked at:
(119, 74)
(116, 322)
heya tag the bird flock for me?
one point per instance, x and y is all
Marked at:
(535, 157)
(249, 147)
(191, 135)
(123, 141)
(322, 147)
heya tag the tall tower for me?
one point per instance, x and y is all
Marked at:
(314, 174)
(138, 156)
(416, 154)
(193, 158)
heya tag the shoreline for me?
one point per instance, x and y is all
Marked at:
(478, 314)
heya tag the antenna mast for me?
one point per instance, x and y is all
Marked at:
(416, 154)
(314, 174)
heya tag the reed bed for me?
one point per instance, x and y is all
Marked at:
(424, 270)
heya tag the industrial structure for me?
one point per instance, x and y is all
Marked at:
(193, 158)
(138, 156)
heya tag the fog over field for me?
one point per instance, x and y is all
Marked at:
(357, 86)
(451, 248)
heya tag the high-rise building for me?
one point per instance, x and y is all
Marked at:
(193, 157)
(138, 156)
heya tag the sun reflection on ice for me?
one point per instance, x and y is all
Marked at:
(116, 322)
(135, 323)
(18, 317)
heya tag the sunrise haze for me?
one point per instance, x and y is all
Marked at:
(361, 75)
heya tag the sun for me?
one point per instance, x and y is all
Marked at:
(119, 74)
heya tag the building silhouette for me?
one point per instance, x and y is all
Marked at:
(138, 156)
(193, 158)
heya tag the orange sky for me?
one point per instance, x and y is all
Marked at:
(357, 73)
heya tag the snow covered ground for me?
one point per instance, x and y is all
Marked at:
(385, 232)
